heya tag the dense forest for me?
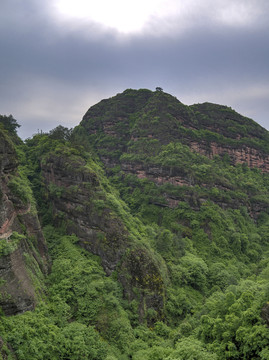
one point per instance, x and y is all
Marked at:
(142, 233)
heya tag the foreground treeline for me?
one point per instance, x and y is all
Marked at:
(210, 258)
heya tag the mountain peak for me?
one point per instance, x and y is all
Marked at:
(209, 129)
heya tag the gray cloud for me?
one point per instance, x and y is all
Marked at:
(52, 71)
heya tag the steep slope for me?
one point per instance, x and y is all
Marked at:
(80, 200)
(23, 252)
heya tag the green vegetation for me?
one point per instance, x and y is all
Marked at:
(7, 246)
(19, 186)
(174, 264)
(9, 124)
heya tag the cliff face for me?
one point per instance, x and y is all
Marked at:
(242, 154)
(23, 250)
(73, 190)
(87, 209)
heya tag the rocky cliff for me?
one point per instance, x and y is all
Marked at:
(83, 202)
(23, 252)
(75, 193)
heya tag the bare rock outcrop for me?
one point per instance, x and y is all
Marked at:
(80, 204)
(23, 249)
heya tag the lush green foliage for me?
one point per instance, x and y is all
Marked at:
(206, 231)
(7, 246)
(9, 123)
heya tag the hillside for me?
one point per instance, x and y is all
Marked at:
(156, 220)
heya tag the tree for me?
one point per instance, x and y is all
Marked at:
(60, 133)
(9, 123)
(190, 349)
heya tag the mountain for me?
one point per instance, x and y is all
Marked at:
(154, 136)
(209, 129)
(156, 221)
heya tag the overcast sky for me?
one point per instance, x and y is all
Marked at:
(59, 57)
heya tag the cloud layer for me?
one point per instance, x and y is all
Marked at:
(54, 67)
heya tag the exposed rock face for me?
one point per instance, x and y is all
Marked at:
(8, 160)
(77, 198)
(74, 197)
(161, 175)
(252, 157)
(144, 274)
(17, 292)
